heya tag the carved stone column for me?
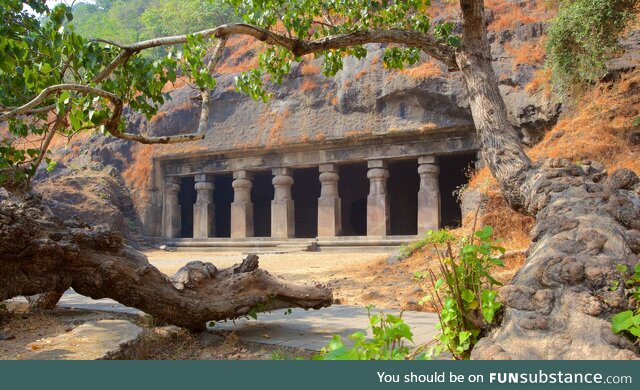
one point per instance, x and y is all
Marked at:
(171, 213)
(241, 207)
(329, 208)
(378, 200)
(428, 195)
(282, 221)
(204, 222)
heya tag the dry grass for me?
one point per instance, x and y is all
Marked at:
(528, 53)
(275, 133)
(360, 74)
(243, 55)
(138, 174)
(309, 68)
(508, 15)
(541, 82)
(308, 85)
(425, 70)
(598, 129)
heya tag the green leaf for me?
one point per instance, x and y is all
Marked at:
(622, 321)
(468, 296)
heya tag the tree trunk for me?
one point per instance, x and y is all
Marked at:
(41, 255)
(558, 305)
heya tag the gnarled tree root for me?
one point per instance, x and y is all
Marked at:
(39, 255)
(558, 306)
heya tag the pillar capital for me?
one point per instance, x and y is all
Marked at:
(204, 186)
(282, 171)
(427, 160)
(203, 177)
(428, 169)
(328, 168)
(243, 174)
(377, 164)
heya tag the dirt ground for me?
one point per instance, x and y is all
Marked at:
(356, 278)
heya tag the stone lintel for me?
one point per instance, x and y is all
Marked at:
(242, 174)
(377, 164)
(427, 160)
(282, 171)
(328, 168)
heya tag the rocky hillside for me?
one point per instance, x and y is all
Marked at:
(363, 100)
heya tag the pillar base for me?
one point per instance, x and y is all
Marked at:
(241, 220)
(377, 215)
(329, 217)
(282, 222)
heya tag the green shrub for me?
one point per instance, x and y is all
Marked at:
(629, 321)
(390, 334)
(583, 36)
(461, 290)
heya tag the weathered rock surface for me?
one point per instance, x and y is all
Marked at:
(95, 340)
(559, 303)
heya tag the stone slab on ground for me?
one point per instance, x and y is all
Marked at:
(95, 340)
(309, 330)
(312, 330)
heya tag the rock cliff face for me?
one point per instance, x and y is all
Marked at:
(364, 100)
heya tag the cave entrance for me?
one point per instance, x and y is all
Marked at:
(353, 188)
(222, 198)
(187, 198)
(305, 193)
(261, 196)
(403, 186)
(454, 174)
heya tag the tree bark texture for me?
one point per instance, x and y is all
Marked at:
(41, 255)
(559, 304)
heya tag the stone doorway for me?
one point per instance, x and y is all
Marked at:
(261, 196)
(353, 189)
(403, 186)
(186, 198)
(453, 176)
(222, 198)
(305, 193)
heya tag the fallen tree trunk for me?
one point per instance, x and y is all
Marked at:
(41, 255)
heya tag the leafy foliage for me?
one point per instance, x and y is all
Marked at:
(39, 55)
(629, 321)
(461, 291)
(314, 19)
(390, 334)
(583, 36)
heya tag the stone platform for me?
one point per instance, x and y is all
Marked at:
(309, 330)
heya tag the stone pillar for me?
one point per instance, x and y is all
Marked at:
(171, 213)
(241, 207)
(204, 221)
(329, 208)
(378, 200)
(428, 195)
(282, 222)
